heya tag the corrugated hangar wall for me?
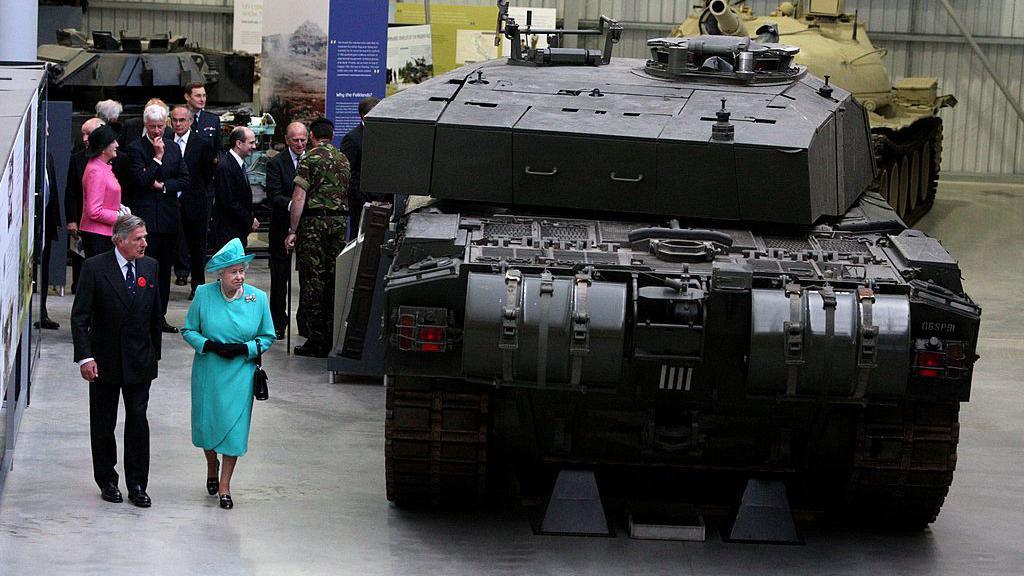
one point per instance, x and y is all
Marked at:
(983, 136)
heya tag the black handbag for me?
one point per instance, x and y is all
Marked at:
(260, 391)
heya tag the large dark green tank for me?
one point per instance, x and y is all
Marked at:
(134, 69)
(667, 272)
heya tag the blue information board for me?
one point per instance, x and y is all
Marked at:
(356, 58)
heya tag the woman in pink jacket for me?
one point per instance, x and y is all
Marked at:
(101, 193)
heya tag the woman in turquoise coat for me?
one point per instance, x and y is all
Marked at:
(228, 324)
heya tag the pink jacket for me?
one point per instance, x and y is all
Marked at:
(101, 198)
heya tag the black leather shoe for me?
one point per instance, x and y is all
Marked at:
(181, 281)
(111, 494)
(140, 499)
(225, 502)
(211, 485)
(168, 329)
(46, 324)
(310, 351)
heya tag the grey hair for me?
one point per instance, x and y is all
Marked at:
(125, 225)
(108, 110)
(154, 113)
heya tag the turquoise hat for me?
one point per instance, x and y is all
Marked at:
(232, 253)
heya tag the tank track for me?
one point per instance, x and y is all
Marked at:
(435, 443)
(903, 463)
(908, 162)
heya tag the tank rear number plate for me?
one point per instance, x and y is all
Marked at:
(940, 327)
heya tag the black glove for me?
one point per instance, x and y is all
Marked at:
(211, 346)
(234, 349)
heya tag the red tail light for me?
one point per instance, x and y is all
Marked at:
(422, 329)
(931, 364)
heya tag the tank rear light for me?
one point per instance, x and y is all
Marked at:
(931, 364)
(422, 329)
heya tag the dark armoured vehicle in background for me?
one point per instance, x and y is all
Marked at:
(665, 271)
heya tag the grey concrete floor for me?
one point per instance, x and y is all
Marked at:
(310, 493)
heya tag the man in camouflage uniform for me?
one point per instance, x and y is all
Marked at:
(320, 204)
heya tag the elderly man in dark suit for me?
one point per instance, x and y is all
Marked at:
(158, 176)
(232, 203)
(280, 174)
(115, 325)
(73, 194)
(352, 147)
(197, 200)
(207, 124)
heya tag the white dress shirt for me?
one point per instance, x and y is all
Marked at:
(182, 141)
(122, 264)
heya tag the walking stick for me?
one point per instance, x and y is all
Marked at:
(288, 336)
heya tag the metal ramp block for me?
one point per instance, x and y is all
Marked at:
(574, 507)
(764, 515)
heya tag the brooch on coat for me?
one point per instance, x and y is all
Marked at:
(141, 281)
(250, 297)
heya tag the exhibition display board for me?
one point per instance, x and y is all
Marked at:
(22, 114)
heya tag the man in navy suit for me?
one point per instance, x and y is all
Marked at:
(232, 204)
(352, 148)
(115, 326)
(280, 174)
(197, 200)
(158, 174)
(207, 124)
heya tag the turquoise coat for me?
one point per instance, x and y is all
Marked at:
(222, 388)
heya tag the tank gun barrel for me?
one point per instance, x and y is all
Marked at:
(729, 22)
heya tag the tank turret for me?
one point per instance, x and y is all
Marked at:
(631, 136)
(903, 117)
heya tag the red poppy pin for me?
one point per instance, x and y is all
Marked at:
(141, 282)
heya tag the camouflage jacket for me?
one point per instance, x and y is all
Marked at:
(324, 173)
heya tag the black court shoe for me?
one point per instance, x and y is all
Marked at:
(225, 502)
(211, 486)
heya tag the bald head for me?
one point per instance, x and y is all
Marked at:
(88, 126)
(296, 137)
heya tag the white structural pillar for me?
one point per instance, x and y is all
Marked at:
(19, 21)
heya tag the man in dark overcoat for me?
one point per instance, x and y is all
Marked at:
(115, 326)
(197, 200)
(158, 176)
(280, 177)
(232, 194)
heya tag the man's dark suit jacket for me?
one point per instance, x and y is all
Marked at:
(280, 175)
(208, 126)
(232, 204)
(352, 148)
(200, 159)
(158, 208)
(121, 332)
(73, 187)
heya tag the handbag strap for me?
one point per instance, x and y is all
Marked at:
(259, 354)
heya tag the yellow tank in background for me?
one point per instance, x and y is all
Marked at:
(904, 117)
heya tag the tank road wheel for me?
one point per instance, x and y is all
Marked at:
(903, 464)
(435, 443)
(914, 190)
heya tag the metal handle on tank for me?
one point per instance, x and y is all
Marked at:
(533, 172)
(620, 179)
